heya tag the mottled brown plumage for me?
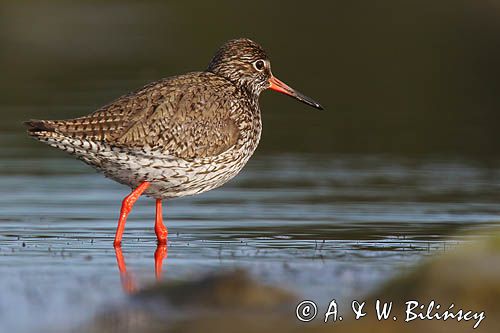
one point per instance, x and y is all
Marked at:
(182, 135)
(178, 116)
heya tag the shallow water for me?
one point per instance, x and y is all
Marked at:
(322, 226)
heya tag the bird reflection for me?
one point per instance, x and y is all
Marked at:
(128, 282)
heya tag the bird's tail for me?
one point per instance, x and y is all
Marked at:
(51, 132)
(40, 128)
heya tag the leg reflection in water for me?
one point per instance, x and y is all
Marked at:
(160, 254)
(128, 282)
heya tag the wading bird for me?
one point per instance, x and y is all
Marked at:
(179, 136)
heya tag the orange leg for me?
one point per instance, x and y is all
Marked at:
(127, 205)
(127, 280)
(160, 254)
(160, 229)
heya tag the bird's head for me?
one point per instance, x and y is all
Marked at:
(245, 63)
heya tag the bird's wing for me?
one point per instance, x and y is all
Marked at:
(187, 116)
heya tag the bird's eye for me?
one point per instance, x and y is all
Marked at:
(259, 65)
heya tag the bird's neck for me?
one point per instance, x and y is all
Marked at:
(252, 123)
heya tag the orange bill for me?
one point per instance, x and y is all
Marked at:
(283, 88)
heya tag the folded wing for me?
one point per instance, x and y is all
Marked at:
(187, 116)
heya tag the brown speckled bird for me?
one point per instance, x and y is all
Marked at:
(179, 136)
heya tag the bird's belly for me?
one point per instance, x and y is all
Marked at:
(170, 177)
(194, 181)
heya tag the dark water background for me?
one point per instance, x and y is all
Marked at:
(403, 164)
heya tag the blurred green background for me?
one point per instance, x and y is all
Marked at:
(413, 77)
